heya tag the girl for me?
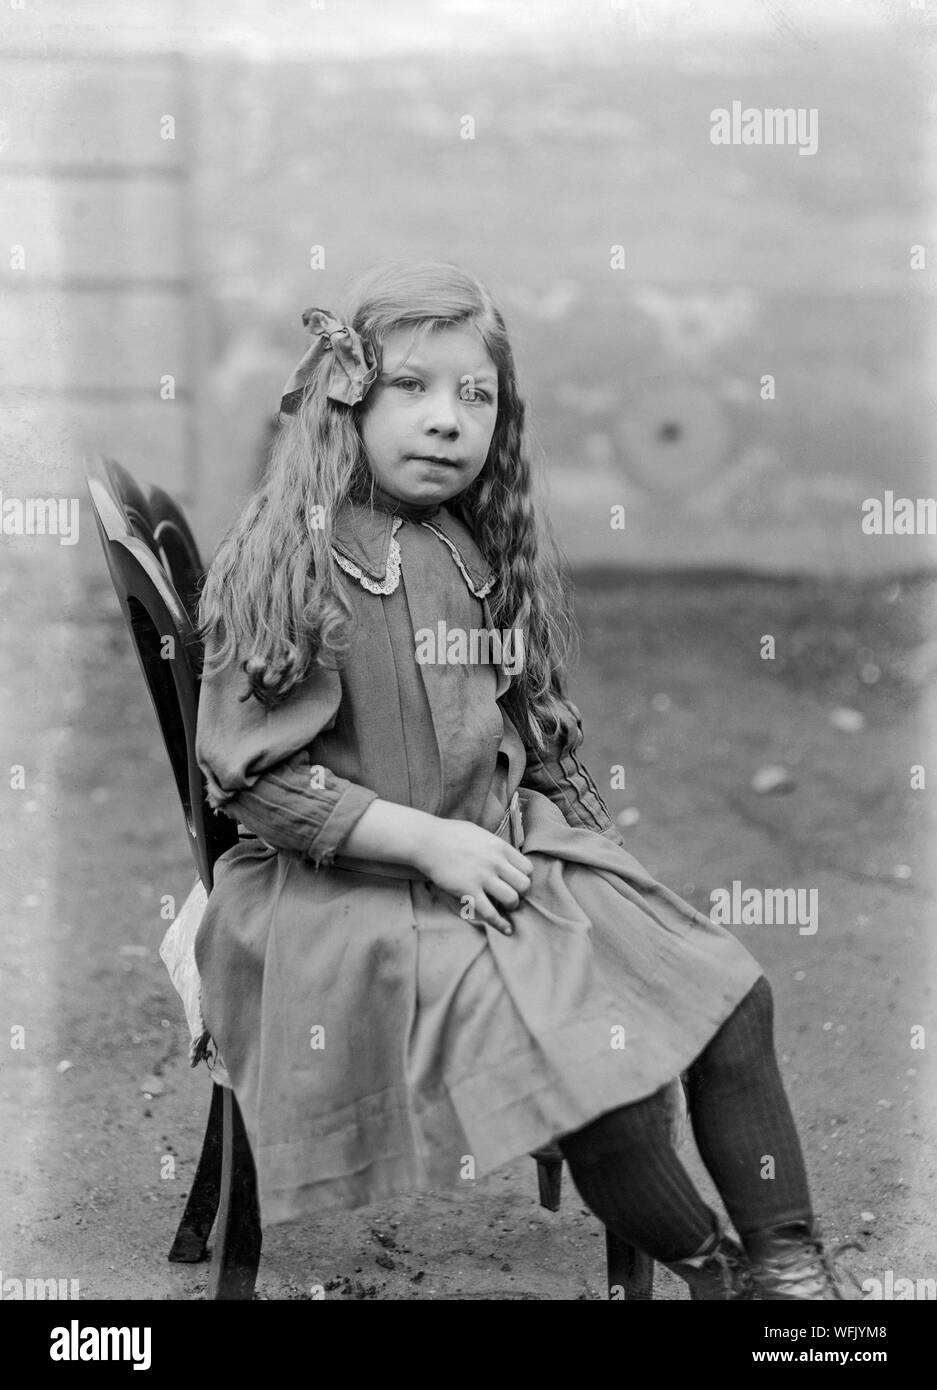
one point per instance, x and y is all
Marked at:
(434, 944)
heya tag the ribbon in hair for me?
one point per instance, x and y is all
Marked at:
(353, 369)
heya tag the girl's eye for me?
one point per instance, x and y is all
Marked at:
(411, 385)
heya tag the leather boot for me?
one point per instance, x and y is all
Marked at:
(790, 1263)
(719, 1270)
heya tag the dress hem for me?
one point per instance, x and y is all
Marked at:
(523, 1124)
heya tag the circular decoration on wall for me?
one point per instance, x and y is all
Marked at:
(674, 435)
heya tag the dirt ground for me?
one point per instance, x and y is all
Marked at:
(96, 1093)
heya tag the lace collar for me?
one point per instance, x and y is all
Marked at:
(364, 543)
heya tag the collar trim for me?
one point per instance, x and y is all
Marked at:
(478, 590)
(364, 545)
(391, 579)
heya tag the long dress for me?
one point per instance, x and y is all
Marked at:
(378, 1042)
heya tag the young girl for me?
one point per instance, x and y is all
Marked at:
(434, 945)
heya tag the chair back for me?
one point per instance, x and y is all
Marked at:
(129, 497)
(168, 649)
(156, 519)
(176, 547)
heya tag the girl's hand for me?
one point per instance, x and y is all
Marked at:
(463, 859)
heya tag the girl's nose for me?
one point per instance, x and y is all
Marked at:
(441, 416)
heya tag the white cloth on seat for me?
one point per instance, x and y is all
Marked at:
(177, 952)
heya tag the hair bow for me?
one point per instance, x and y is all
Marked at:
(353, 371)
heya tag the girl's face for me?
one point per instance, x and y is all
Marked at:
(427, 421)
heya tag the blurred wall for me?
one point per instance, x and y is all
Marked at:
(158, 309)
(99, 310)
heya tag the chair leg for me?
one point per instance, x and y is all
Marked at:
(550, 1181)
(237, 1236)
(630, 1271)
(191, 1242)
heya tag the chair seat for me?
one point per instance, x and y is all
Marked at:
(548, 1153)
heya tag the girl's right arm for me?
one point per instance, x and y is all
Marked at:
(458, 856)
(259, 771)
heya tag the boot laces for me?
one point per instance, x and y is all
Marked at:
(824, 1273)
(734, 1271)
(829, 1258)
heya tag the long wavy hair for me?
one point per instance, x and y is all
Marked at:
(273, 599)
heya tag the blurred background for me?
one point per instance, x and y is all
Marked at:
(186, 178)
(180, 180)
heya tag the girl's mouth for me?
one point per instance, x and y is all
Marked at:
(435, 458)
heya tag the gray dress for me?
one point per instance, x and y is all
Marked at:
(376, 1039)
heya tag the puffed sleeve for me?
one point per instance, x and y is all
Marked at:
(557, 773)
(258, 768)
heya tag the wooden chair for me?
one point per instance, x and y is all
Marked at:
(152, 558)
(169, 652)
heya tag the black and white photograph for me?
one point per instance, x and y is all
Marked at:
(468, 548)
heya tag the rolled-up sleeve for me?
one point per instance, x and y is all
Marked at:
(557, 773)
(258, 766)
